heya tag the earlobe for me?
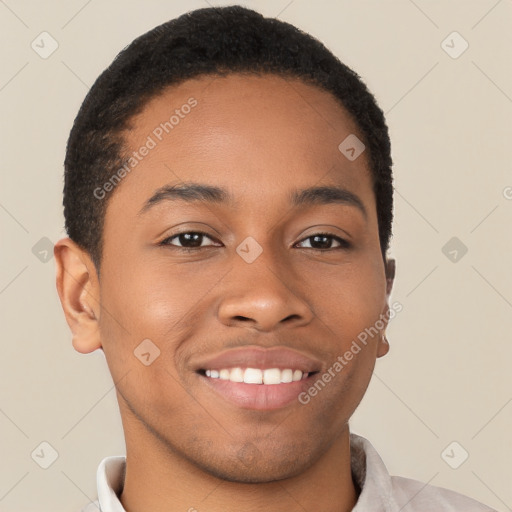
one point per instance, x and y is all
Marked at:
(78, 289)
(390, 269)
(383, 348)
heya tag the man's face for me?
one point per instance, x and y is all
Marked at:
(261, 139)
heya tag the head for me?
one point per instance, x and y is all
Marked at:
(255, 112)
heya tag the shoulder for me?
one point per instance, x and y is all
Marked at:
(413, 495)
(383, 492)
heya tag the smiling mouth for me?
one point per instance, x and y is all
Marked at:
(258, 376)
(255, 377)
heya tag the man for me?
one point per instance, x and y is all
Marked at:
(228, 201)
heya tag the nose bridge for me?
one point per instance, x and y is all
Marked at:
(261, 291)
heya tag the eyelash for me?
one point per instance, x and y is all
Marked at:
(165, 243)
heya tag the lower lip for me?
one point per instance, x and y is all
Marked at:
(258, 396)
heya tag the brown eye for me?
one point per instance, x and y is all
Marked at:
(187, 240)
(323, 241)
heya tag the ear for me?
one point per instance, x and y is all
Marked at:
(390, 275)
(390, 269)
(78, 288)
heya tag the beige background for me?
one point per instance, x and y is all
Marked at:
(447, 377)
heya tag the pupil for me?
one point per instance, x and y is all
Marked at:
(195, 238)
(326, 243)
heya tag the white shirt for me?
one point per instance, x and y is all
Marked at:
(380, 492)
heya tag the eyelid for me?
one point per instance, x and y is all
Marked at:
(330, 230)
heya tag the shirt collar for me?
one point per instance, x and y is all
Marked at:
(372, 476)
(110, 482)
(368, 471)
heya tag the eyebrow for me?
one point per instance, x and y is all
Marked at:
(204, 193)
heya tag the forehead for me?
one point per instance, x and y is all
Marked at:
(258, 136)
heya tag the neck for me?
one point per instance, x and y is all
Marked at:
(159, 480)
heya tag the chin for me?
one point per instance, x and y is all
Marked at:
(250, 465)
(258, 474)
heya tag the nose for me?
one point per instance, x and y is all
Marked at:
(261, 297)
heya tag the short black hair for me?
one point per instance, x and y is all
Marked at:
(210, 41)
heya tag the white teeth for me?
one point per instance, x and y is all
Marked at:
(257, 376)
(287, 375)
(236, 375)
(297, 375)
(272, 376)
(253, 376)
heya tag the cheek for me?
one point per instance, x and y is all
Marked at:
(152, 296)
(151, 301)
(350, 300)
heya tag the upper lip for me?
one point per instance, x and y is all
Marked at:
(259, 357)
